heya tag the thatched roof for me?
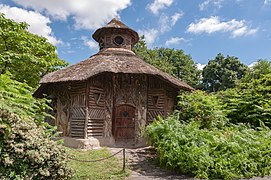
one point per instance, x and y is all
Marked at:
(115, 24)
(112, 60)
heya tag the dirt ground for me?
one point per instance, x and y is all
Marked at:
(142, 163)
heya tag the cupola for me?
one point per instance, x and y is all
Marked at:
(116, 35)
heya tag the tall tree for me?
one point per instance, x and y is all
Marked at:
(222, 73)
(26, 56)
(258, 70)
(171, 61)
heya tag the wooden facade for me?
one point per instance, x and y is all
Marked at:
(114, 106)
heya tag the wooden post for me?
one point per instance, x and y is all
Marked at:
(124, 165)
(87, 106)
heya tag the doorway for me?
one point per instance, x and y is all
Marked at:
(124, 124)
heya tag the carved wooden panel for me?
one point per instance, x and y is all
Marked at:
(131, 89)
(96, 110)
(61, 93)
(78, 115)
(77, 109)
(157, 99)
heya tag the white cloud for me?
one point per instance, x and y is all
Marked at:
(157, 5)
(87, 14)
(166, 22)
(176, 17)
(200, 66)
(207, 3)
(174, 41)
(150, 35)
(39, 24)
(252, 64)
(90, 43)
(213, 24)
(267, 2)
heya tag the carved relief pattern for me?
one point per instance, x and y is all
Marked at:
(108, 91)
(131, 90)
(62, 106)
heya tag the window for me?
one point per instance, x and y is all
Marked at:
(118, 40)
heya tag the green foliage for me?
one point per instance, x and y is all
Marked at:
(26, 56)
(16, 97)
(258, 70)
(26, 151)
(249, 102)
(201, 107)
(171, 61)
(231, 152)
(222, 73)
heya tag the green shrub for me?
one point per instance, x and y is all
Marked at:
(249, 102)
(27, 152)
(199, 106)
(231, 152)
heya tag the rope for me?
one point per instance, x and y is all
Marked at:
(96, 160)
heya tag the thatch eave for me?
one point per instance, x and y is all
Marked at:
(110, 60)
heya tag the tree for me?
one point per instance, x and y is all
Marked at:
(222, 73)
(16, 97)
(258, 70)
(26, 56)
(171, 61)
(249, 102)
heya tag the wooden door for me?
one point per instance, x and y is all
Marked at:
(125, 123)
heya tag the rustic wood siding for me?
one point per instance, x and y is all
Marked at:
(78, 109)
(161, 98)
(96, 116)
(100, 106)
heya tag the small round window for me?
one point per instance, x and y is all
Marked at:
(118, 40)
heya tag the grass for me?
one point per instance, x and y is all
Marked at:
(107, 169)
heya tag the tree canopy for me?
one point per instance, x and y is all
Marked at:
(222, 73)
(261, 68)
(26, 56)
(171, 61)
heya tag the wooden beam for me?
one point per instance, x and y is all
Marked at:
(87, 106)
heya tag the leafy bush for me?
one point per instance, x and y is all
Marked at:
(199, 106)
(17, 97)
(249, 102)
(232, 152)
(27, 152)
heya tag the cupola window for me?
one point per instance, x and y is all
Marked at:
(118, 40)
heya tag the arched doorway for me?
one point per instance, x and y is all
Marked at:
(124, 130)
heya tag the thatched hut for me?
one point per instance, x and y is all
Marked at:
(108, 98)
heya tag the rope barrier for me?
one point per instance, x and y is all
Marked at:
(96, 160)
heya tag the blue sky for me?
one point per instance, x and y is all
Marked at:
(202, 28)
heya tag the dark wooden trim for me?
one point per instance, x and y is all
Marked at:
(114, 102)
(87, 106)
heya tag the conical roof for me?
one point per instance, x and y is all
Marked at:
(114, 24)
